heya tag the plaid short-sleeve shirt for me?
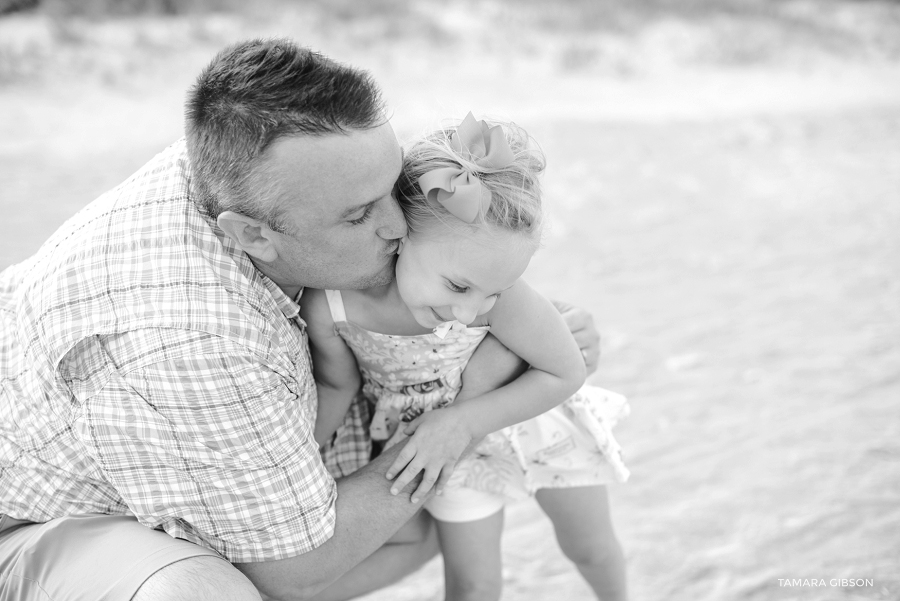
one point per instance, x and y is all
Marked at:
(148, 368)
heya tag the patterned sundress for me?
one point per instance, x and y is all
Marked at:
(404, 376)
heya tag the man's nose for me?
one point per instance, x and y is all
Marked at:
(393, 223)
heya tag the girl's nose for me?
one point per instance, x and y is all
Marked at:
(465, 314)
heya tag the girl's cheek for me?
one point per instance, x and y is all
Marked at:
(412, 287)
(487, 305)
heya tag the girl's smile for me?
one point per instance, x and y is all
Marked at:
(439, 316)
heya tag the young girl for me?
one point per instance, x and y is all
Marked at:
(472, 202)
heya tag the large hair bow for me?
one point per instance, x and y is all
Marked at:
(457, 189)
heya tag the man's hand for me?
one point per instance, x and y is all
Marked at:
(581, 324)
(438, 438)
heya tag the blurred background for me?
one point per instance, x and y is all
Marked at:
(724, 193)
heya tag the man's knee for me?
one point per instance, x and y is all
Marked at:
(417, 530)
(419, 548)
(429, 545)
(420, 540)
(203, 578)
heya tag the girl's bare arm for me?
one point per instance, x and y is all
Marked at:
(334, 366)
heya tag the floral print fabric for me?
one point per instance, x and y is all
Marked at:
(404, 376)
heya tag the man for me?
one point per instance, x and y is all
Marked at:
(156, 399)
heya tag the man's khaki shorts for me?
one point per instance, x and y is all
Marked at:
(89, 557)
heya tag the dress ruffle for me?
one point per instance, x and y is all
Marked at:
(571, 445)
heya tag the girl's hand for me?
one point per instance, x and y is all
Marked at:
(438, 438)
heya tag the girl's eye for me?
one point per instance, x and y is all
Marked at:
(456, 288)
(364, 218)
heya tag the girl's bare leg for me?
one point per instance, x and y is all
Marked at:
(472, 564)
(585, 533)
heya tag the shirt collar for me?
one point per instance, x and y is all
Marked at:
(290, 308)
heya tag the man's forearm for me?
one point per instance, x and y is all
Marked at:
(367, 515)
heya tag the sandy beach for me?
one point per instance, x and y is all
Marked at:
(724, 195)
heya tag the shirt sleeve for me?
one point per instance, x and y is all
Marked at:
(215, 448)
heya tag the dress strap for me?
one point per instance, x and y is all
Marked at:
(336, 306)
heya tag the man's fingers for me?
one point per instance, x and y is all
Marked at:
(591, 356)
(431, 476)
(581, 324)
(405, 456)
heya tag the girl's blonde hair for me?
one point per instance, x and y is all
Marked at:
(515, 189)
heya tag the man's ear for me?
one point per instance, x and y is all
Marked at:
(251, 235)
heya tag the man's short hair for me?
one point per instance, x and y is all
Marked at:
(251, 94)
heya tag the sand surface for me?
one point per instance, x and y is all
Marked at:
(732, 225)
